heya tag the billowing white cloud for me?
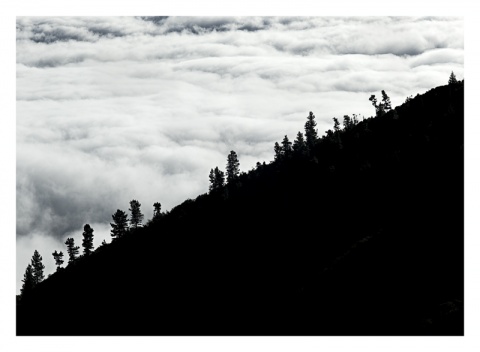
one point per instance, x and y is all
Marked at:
(111, 109)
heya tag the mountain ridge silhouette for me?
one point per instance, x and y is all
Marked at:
(363, 236)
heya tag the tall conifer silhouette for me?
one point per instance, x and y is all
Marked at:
(452, 79)
(37, 268)
(233, 167)
(28, 281)
(58, 257)
(157, 207)
(72, 250)
(299, 145)
(286, 147)
(310, 131)
(87, 241)
(136, 216)
(119, 225)
(278, 151)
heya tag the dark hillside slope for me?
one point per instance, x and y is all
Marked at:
(364, 237)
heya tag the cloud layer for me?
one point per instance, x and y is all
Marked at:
(115, 108)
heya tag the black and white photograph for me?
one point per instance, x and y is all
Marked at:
(239, 176)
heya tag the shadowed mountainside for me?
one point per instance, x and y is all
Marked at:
(362, 237)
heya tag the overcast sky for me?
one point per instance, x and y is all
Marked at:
(111, 109)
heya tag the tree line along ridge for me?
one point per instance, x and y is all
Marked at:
(220, 182)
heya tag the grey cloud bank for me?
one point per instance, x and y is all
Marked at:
(115, 108)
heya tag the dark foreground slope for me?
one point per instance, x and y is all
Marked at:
(365, 238)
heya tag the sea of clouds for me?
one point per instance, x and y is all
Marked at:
(111, 109)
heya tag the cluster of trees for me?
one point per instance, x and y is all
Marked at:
(119, 227)
(383, 107)
(302, 145)
(217, 179)
(217, 176)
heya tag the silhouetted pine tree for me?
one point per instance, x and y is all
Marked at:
(28, 281)
(217, 179)
(87, 242)
(373, 99)
(233, 167)
(310, 131)
(157, 207)
(387, 105)
(336, 135)
(58, 259)
(299, 145)
(278, 151)
(336, 123)
(72, 250)
(37, 268)
(452, 79)
(347, 122)
(119, 225)
(137, 216)
(286, 147)
(211, 178)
